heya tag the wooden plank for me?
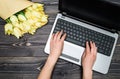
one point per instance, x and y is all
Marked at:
(18, 76)
(27, 54)
(22, 60)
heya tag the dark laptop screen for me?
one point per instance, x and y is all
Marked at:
(100, 12)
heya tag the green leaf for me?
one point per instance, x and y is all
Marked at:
(8, 20)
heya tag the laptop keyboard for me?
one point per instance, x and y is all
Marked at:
(78, 35)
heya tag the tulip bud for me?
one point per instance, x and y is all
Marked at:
(17, 32)
(28, 15)
(40, 6)
(44, 18)
(36, 14)
(21, 17)
(26, 26)
(30, 8)
(34, 6)
(30, 21)
(32, 31)
(15, 24)
(8, 28)
(13, 18)
(38, 24)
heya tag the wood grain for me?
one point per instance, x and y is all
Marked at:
(20, 59)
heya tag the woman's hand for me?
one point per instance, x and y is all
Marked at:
(88, 59)
(89, 56)
(56, 47)
(56, 44)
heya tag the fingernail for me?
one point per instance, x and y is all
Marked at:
(86, 41)
(90, 42)
(65, 34)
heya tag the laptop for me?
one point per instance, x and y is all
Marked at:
(87, 20)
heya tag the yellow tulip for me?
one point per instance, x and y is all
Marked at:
(36, 14)
(17, 32)
(34, 6)
(44, 18)
(30, 21)
(13, 18)
(8, 28)
(15, 24)
(28, 15)
(29, 9)
(36, 20)
(38, 24)
(40, 6)
(21, 17)
(26, 26)
(21, 26)
(32, 31)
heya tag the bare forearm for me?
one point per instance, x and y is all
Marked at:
(87, 74)
(48, 68)
(88, 59)
(56, 47)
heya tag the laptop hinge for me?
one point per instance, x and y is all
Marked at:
(64, 13)
(115, 31)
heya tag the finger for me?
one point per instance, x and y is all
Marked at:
(60, 34)
(87, 47)
(63, 37)
(83, 55)
(91, 46)
(94, 45)
(56, 35)
(95, 49)
(52, 36)
(51, 40)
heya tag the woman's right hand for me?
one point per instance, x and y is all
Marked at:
(88, 59)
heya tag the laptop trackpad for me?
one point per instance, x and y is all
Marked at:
(72, 52)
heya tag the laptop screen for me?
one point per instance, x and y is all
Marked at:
(100, 12)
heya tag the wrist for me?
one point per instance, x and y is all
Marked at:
(54, 55)
(87, 73)
(87, 69)
(52, 59)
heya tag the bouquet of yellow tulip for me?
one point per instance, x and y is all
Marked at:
(26, 21)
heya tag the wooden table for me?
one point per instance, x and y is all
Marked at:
(21, 59)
